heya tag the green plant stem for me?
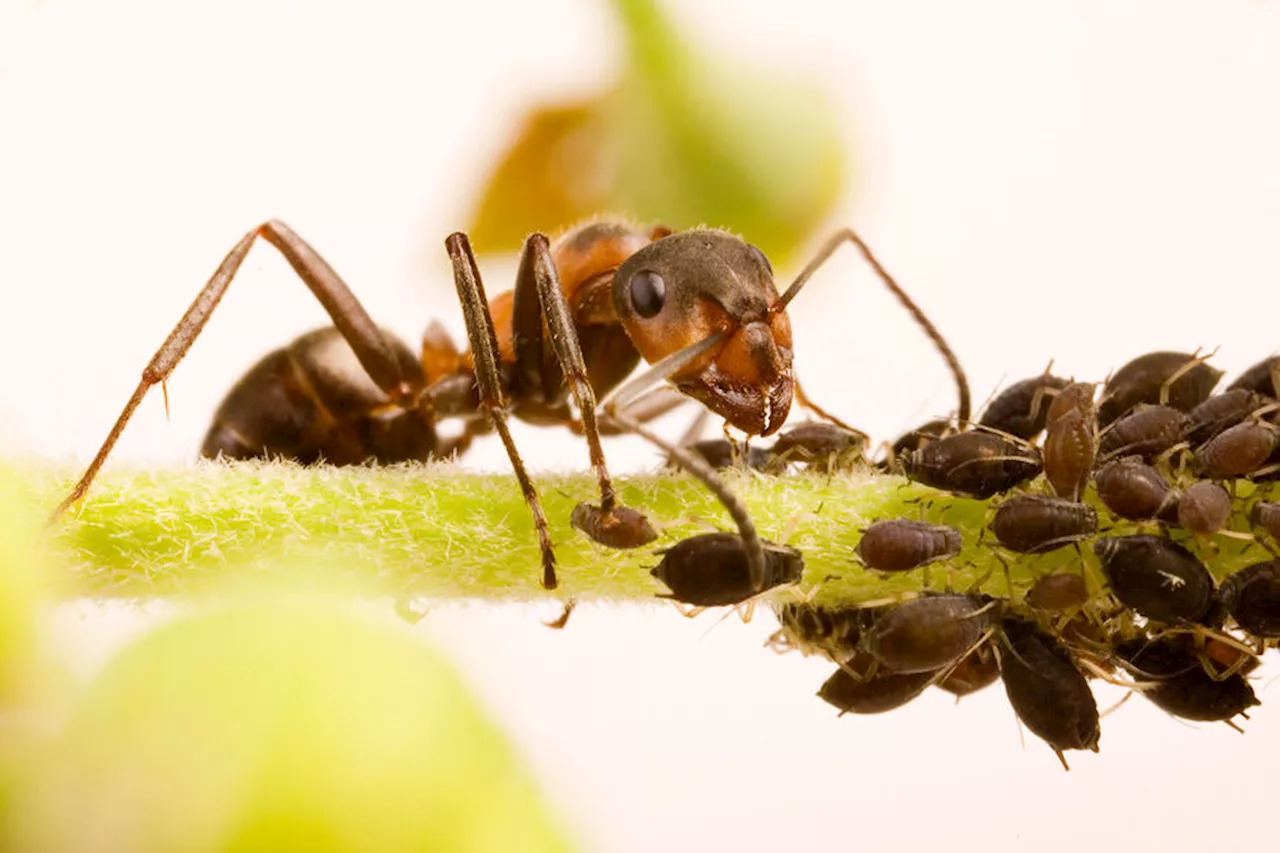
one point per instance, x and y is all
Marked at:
(437, 531)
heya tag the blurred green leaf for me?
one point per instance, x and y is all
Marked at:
(279, 725)
(682, 139)
(20, 576)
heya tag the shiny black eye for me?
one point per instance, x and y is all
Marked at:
(647, 293)
(763, 259)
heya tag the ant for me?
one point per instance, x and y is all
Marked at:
(700, 306)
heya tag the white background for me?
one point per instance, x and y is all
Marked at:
(1068, 180)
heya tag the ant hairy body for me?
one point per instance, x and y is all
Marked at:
(700, 306)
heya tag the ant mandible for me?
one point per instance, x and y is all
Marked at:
(699, 305)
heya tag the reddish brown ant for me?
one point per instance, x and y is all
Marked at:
(699, 305)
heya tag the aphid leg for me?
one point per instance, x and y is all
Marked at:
(1181, 372)
(484, 352)
(348, 315)
(609, 523)
(563, 619)
(828, 249)
(737, 509)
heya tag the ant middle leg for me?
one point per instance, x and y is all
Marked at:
(493, 402)
(375, 354)
(824, 254)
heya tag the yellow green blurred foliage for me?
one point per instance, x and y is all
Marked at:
(20, 577)
(280, 724)
(682, 139)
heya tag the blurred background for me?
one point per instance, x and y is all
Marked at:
(1077, 181)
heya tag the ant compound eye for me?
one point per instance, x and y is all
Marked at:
(647, 293)
(763, 259)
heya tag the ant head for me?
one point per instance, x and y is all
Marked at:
(681, 289)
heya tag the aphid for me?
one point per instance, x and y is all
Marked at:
(722, 454)
(822, 447)
(1176, 379)
(974, 671)
(1074, 397)
(929, 633)
(1058, 591)
(1252, 597)
(1033, 524)
(1156, 577)
(700, 306)
(1170, 675)
(1263, 378)
(1146, 431)
(1070, 441)
(710, 569)
(1267, 516)
(1238, 451)
(1132, 489)
(814, 629)
(1204, 508)
(1220, 412)
(899, 544)
(1047, 692)
(1022, 408)
(882, 690)
(979, 464)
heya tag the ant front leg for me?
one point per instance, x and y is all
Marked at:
(609, 523)
(352, 321)
(824, 254)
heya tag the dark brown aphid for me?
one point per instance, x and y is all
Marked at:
(1146, 431)
(1070, 442)
(710, 570)
(622, 528)
(701, 306)
(721, 454)
(1173, 678)
(1156, 577)
(1033, 524)
(979, 464)
(1204, 508)
(1058, 591)
(881, 691)
(822, 447)
(929, 633)
(1132, 489)
(913, 440)
(1022, 408)
(814, 629)
(976, 670)
(1220, 412)
(1238, 451)
(1252, 597)
(1046, 690)
(899, 544)
(1263, 378)
(1176, 379)
(1267, 516)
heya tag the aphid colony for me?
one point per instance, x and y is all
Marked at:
(1142, 480)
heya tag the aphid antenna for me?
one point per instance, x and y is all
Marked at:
(1115, 706)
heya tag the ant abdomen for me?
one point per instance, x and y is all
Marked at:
(311, 402)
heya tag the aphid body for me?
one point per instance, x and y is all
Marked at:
(899, 544)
